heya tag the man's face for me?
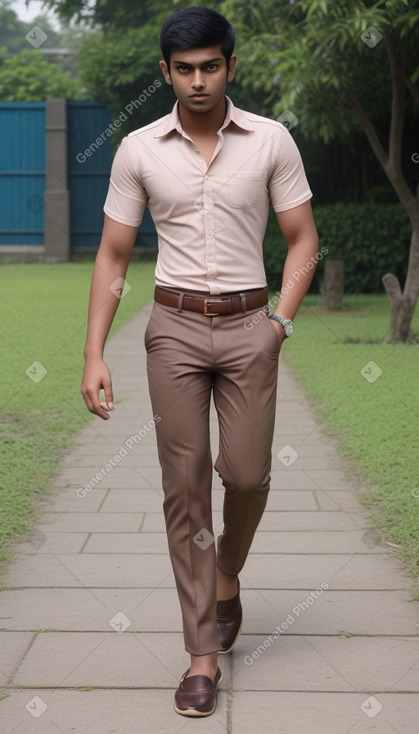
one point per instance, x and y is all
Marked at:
(199, 76)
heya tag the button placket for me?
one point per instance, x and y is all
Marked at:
(209, 229)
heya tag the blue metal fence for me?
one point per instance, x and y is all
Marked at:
(88, 175)
(22, 173)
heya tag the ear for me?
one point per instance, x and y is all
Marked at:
(166, 72)
(231, 68)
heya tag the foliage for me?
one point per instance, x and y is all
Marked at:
(29, 77)
(305, 56)
(29, 74)
(309, 57)
(12, 30)
(370, 238)
(116, 67)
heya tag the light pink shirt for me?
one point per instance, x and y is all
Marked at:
(210, 220)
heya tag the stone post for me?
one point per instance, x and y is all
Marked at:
(332, 286)
(56, 195)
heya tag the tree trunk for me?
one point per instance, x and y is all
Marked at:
(332, 286)
(402, 305)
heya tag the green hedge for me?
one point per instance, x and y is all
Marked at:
(372, 239)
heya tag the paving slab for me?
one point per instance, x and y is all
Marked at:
(13, 647)
(75, 659)
(92, 569)
(284, 500)
(346, 500)
(91, 636)
(331, 613)
(103, 712)
(339, 571)
(358, 540)
(50, 542)
(68, 522)
(127, 543)
(310, 521)
(67, 500)
(80, 609)
(323, 713)
(118, 476)
(326, 664)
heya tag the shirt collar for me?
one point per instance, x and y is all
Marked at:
(234, 114)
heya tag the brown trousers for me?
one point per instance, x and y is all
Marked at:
(189, 358)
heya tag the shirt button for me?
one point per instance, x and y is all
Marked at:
(210, 234)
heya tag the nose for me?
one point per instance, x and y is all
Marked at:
(198, 80)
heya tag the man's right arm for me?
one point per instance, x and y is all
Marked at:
(111, 264)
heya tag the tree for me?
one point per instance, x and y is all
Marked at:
(345, 66)
(29, 77)
(29, 74)
(12, 30)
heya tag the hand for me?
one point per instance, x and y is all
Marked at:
(96, 376)
(279, 330)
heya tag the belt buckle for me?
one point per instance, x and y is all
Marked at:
(207, 306)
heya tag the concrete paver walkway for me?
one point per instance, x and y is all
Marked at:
(91, 639)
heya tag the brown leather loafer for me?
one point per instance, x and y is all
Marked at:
(229, 621)
(197, 695)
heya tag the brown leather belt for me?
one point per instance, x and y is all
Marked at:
(212, 305)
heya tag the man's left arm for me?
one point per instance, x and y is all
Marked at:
(299, 230)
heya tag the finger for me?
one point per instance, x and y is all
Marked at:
(107, 388)
(95, 406)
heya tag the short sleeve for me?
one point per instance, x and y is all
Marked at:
(288, 185)
(126, 199)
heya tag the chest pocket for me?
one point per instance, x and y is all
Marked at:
(247, 189)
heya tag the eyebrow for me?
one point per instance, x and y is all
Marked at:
(204, 63)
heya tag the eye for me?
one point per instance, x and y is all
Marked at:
(212, 67)
(182, 68)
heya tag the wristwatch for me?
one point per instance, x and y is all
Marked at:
(285, 323)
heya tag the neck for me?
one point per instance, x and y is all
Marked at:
(204, 124)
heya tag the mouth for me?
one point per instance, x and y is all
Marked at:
(198, 97)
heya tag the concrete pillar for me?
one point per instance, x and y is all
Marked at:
(56, 195)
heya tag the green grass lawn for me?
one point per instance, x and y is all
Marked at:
(43, 319)
(367, 393)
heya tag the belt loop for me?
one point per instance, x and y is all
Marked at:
(244, 303)
(180, 302)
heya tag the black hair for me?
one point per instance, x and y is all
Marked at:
(196, 27)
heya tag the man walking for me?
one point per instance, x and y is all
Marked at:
(208, 172)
